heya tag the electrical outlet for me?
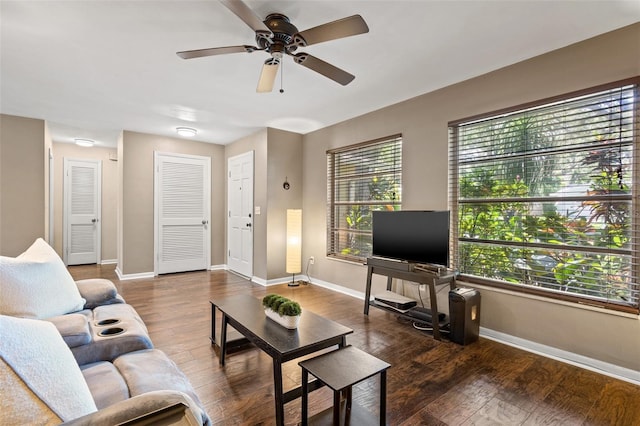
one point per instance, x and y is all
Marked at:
(312, 260)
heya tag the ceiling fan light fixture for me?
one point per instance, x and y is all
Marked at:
(277, 36)
(186, 131)
(87, 143)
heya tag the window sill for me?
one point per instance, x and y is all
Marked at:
(550, 300)
(353, 261)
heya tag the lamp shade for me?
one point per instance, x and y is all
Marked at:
(294, 241)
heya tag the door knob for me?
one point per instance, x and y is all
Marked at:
(248, 225)
(204, 222)
(94, 220)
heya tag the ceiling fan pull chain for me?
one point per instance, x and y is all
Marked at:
(281, 76)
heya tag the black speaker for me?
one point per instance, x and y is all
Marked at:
(464, 315)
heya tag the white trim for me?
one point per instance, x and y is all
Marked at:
(340, 289)
(123, 277)
(222, 267)
(158, 158)
(277, 281)
(66, 203)
(245, 269)
(108, 261)
(551, 300)
(51, 198)
(571, 358)
(257, 280)
(267, 283)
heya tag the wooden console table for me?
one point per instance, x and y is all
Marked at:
(430, 279)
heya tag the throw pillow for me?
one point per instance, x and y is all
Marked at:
(37, 284)
(37, 354)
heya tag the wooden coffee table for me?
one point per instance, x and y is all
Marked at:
(314, 333)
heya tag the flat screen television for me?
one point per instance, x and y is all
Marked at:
(412, 235)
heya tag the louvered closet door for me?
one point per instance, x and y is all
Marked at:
(182, 204)
(81, 243)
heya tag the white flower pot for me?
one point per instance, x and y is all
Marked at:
(286, 321)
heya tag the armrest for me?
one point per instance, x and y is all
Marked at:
(97, 292)
(157, 408)
(74, 329)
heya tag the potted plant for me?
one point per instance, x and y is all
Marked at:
(284, 311)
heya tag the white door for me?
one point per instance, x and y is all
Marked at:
(182, 206)
(240, 224)
(81, 211)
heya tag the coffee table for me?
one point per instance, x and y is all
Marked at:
(314, 333)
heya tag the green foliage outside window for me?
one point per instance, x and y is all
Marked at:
(545, 199)
(362, 180)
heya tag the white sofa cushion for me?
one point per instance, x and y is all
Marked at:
(36, 284)
(36, 353)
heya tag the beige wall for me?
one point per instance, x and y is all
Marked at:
(109, 200)
(283, 161)
(423, 123)
(136, 155)
(23, 212)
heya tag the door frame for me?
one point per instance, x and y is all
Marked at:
(251, 155)
(65, 206)
(156, 205)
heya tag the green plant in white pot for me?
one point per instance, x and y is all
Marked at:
(284, 311)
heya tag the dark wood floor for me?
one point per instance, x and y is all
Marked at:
(429, 383)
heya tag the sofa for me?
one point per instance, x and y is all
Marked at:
(43, 384)
(74, 352)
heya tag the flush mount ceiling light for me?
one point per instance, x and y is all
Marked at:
(186, 131)
(84, 142)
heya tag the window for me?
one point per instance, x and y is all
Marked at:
(360, 179)
(544, 198)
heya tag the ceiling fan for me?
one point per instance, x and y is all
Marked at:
(277, 36)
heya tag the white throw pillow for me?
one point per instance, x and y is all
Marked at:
(37, 354)
(37, 284)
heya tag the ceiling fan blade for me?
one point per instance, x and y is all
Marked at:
(199, 53)
(268, 75)
(345, 27)
(249, 17)
(324, 68)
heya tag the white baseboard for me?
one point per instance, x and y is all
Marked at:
(277, 281)
(218, 267)
(108, 261)
(125, 277)
(577, 360)
(338, 288)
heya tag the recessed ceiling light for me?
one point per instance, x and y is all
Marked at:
(84, 142)
(186, 131)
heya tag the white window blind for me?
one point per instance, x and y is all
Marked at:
(360, 179)
(546, 200)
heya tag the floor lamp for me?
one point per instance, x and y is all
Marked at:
(294, 244)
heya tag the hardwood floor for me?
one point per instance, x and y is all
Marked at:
(429, 382)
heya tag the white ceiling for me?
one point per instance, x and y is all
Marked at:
(94, 68)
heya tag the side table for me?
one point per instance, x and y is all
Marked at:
(340, 370)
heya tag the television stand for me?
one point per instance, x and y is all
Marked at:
(420, 275)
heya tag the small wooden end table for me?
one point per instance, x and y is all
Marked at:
(340, 370)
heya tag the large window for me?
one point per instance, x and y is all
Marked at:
(360, 179)
(545, 198)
